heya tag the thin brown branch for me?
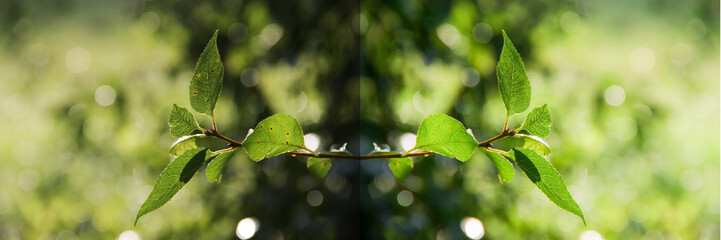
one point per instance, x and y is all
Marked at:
(504, 134)
(359, 157)
(216, 134)
(233, 143)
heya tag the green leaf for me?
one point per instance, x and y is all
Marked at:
(214, 171)
(185, 143)
(504, 167)
(181, 122)
(535, 144)
(172, 179)
(512, 80)
(547, 179)
(319, 167)
(538, 122)
(207, 80)
(445, 135)
(400, 167)
(274, 135)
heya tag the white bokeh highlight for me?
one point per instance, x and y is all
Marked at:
(407, 141)
(129, 235)
(312, 141)
(472, 227)
(590, 235)
(614, 96)
(105, 95)
(77, 60)
(246, 228)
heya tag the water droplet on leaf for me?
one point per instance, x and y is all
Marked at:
(381, 148)
(338, 148)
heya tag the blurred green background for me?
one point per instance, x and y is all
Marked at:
(87, 86)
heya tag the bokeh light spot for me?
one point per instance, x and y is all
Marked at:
(482, 32)
(129, 235)
(470, 77)
(270, 35)
(642, 60)
(77, 60)
(314, 198)
(407, 141)
(246, 228)
(405, 198)
(449, 35)
(614, 95)
(249, 77)
(312, 141)
(24, 29)
(150, 21)
(590, 235)
(472, 227)
(105, 95)
(569, 21)
(696, 29)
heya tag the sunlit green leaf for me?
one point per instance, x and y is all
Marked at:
(512, 80)
(185, 143)
(538, 122)
(400, 167)
(547, 179)
(181, 122)
(319, 167)
(504, 167)
(214, 171)
(207, 80)
(535, 143)
(274, 135)
(445, 135)
(172, 179)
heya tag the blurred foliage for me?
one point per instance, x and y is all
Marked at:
(87, 87)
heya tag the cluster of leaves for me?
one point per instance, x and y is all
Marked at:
(442, 134)
(275, 135)
(437, 134)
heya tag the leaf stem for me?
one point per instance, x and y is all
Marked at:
(214, 133)
(505, 125)
(496, 150)
(406, 153)
(504, 134)
(223, 151)
(215, 127)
